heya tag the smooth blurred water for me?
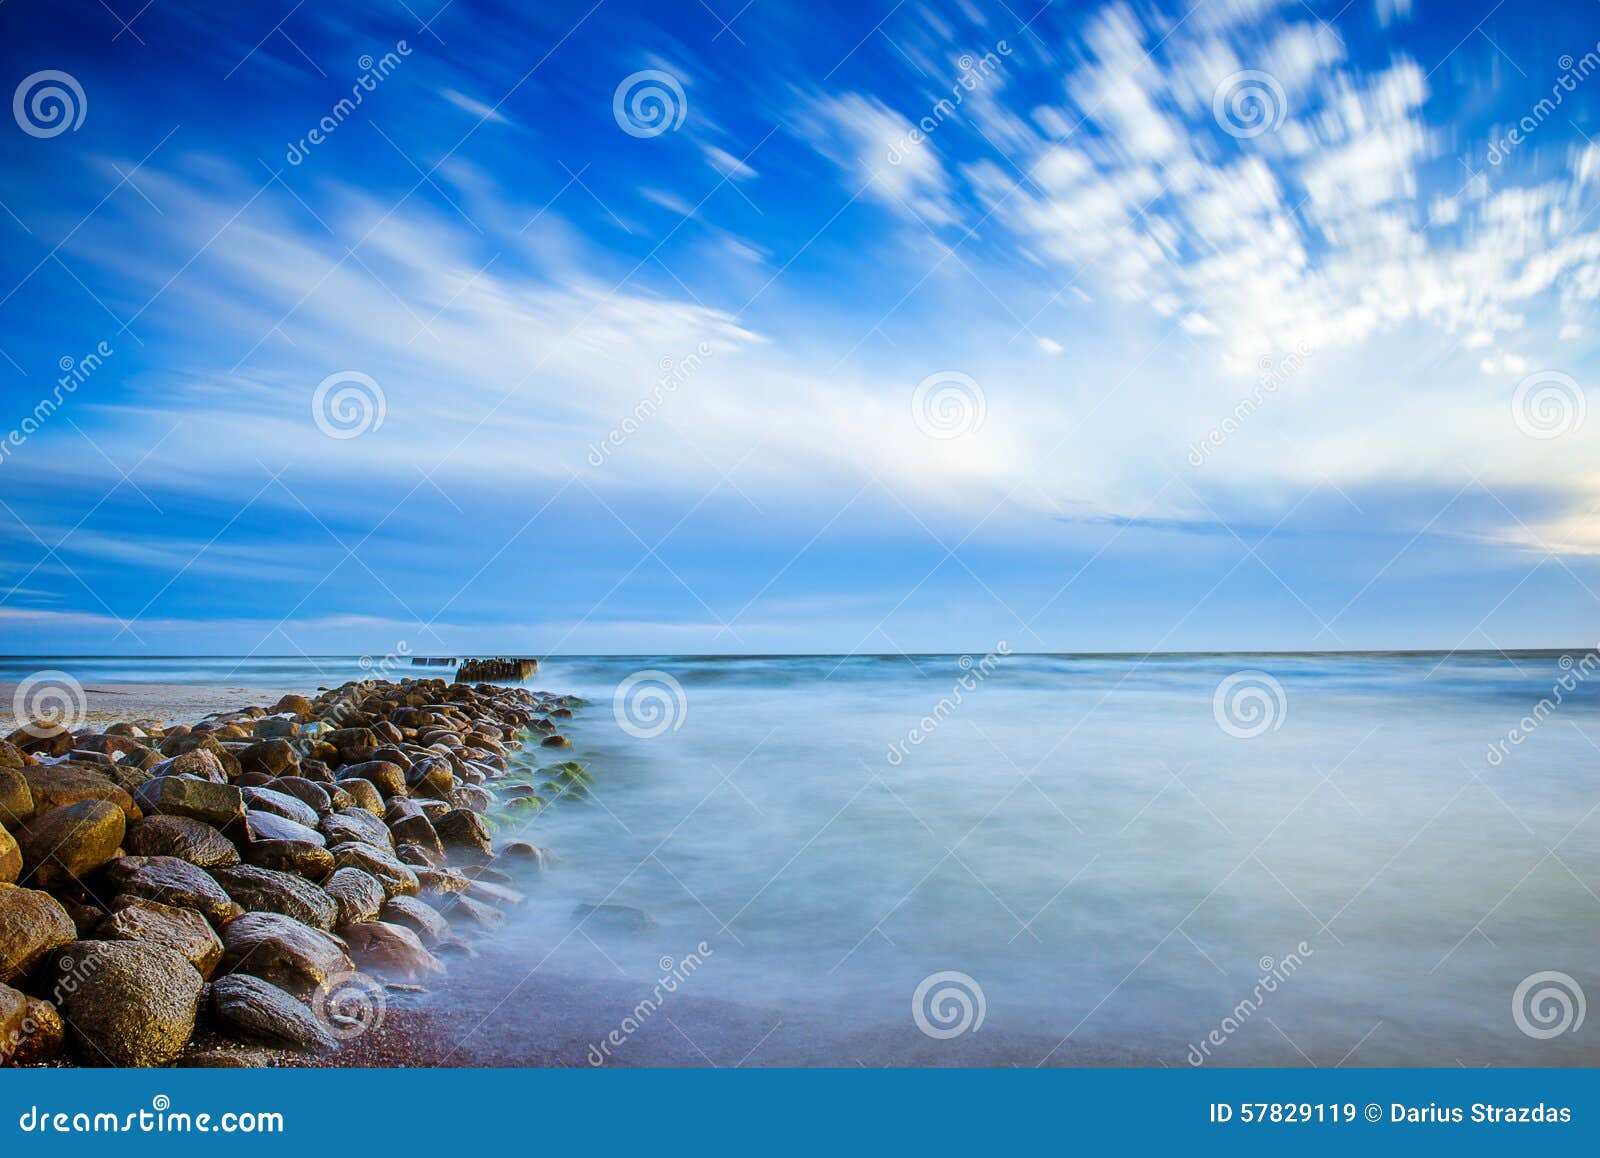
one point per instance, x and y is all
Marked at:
(1080, 836)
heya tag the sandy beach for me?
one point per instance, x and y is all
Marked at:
(110, 703)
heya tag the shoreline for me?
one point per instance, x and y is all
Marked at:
(258, 886)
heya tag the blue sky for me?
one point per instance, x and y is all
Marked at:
(1082, 327)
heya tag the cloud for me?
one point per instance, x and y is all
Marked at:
(879, 154)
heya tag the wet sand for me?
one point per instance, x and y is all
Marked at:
(109, 703)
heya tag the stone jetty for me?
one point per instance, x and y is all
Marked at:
(266, 876)
(497, 670)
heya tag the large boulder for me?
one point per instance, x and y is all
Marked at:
(364, 793)
(32, 923)
(282, 950)
(58, 785)
(275, 757)
(254, 1010)
(11, 756)
(271, 826)
(127, 1003)
(264, 890)
(13, 1021)
(390, 951)
(71, 842)
(465, 834)
(301, 857)
(183, 837)
(182, 929)
(398, 880)
(280, 804)
(309, 792)
(218, 805)
(44, 1036)
(358, 894)
(418, 916)
(172, 882)
(356, 824)
(389, 779)
(303, 709)
(10, 857)
(42, 738)
(16, 798)
(208, 764)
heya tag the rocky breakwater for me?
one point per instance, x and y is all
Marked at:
(265, 876)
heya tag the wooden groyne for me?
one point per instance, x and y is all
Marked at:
(434, 661)
(497, 670)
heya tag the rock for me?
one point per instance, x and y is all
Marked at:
(273, 728)
(299, 706)
(465, 834)
(218, 805)
(11, 756)
(222, 1059)
(16, 798)
(282, 950)
(44, 1036)
(418, 916)
(359, 825)
(32, 923)
(275, 757)
(621, 918)
(441, 882)
(71, 842)
(172, 882)
(398, 880)
(58, 785)
(42, 738)
(310, 793)
(280, 804)
(521, 850)
(389, 779)
(460, 907)
(262, 890)
(13, 1020)
(358, 894)
(182, 929)
(254, 1010)
(431, 776)
(354, 744)
(390, 951)
(200, 763)
(365, 793)
(555, 742)
(183, 837)
(301, 857)
(133, 1002)
(270, 826)
(10, 858)
(409, 824)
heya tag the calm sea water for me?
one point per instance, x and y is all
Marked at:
(1336, 858)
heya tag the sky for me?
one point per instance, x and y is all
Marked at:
(830, 327)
